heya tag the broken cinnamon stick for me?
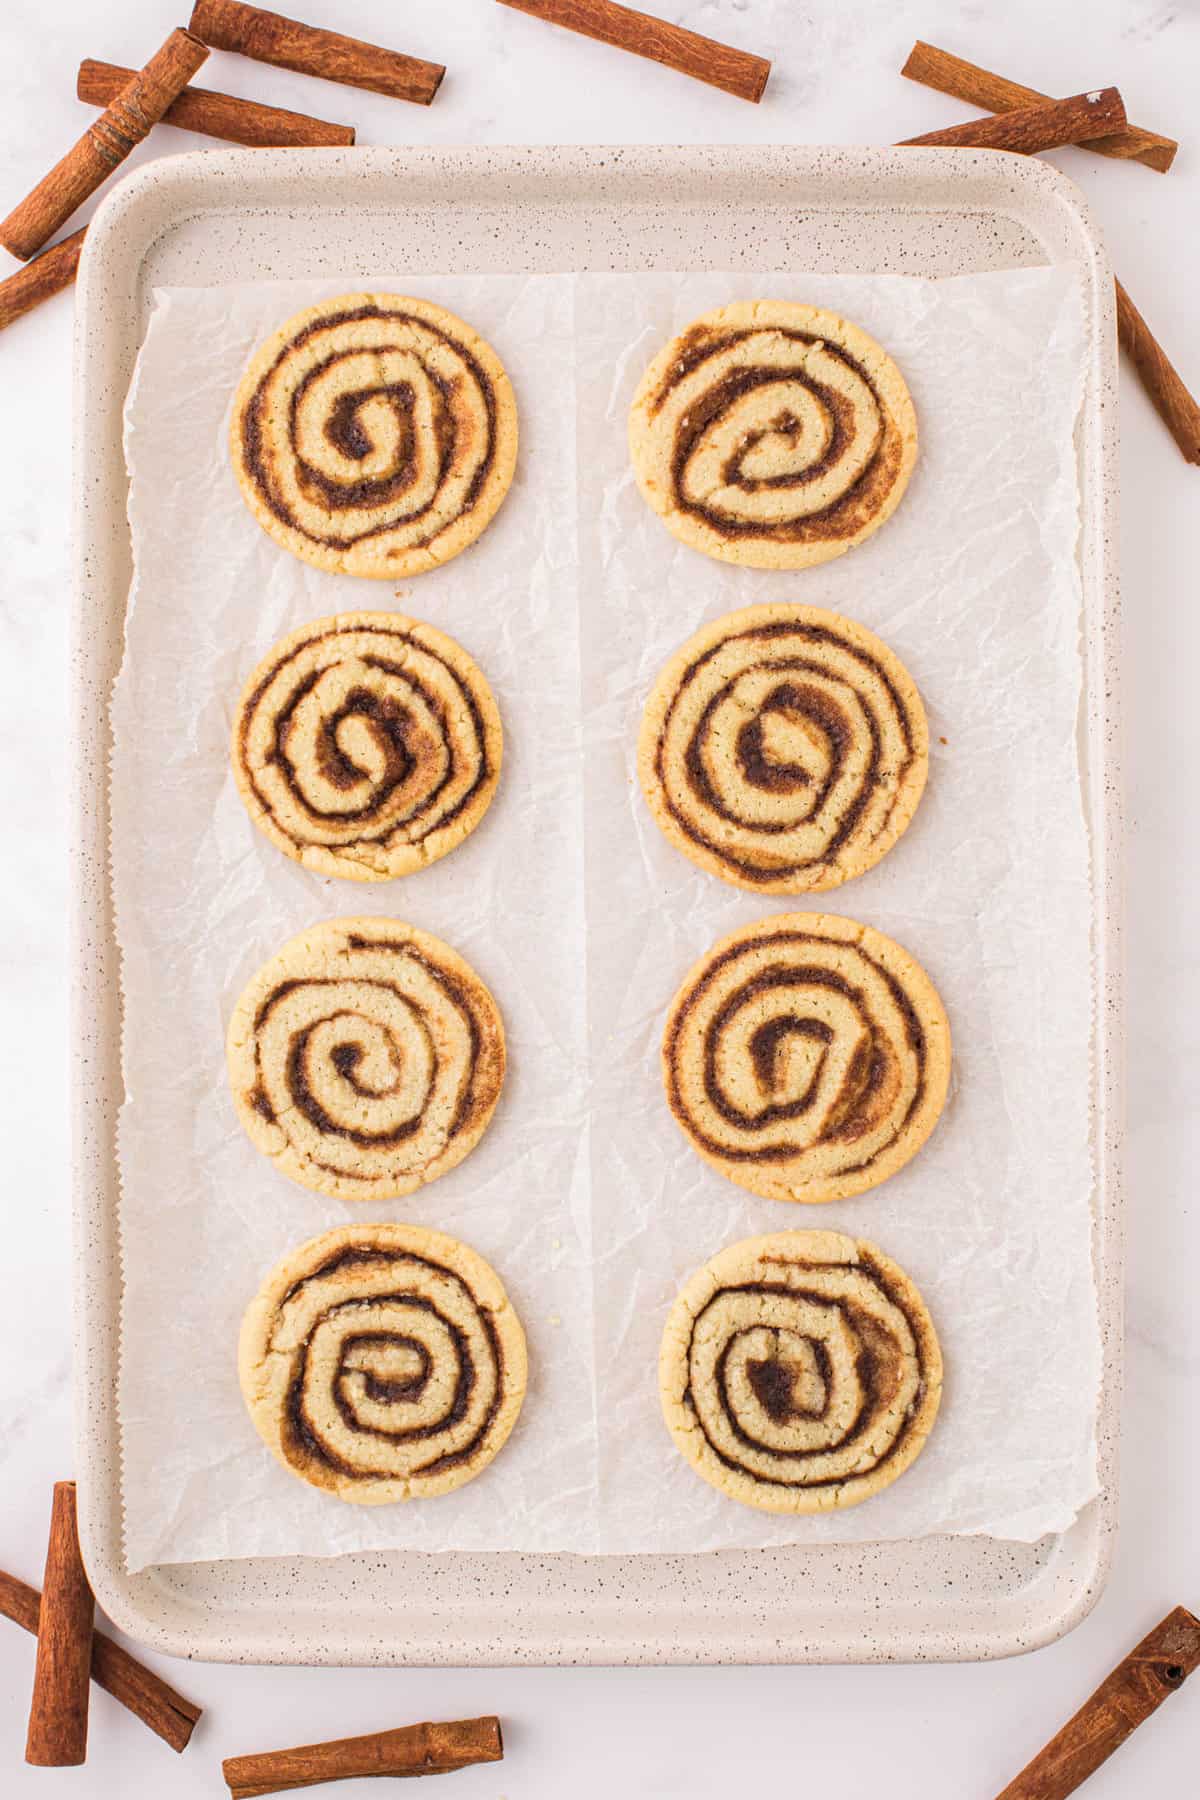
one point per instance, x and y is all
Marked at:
(138, 1688)
(1161, 380)
(103, 146)
(58, 1712)
(269, 37)
(1137, 1687)
(1046, 126)
(994, 93)
(47, 274)
(217, 115)
(429, 1749)
(720, 65)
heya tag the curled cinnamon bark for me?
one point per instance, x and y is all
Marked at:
(429, 1749)
(216, 115)
(737, 72)
(47, 274)
(58, 1713)
(1048, 125)
(288, 44)
(1153, 1671)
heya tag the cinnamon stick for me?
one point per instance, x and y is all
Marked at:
(1161, 380)
(429, 1749)
(994, 93)
(720, 65)
(138, 1688)
(103, 146)
(47, 274)
(269, 37)
(58, 1713)
(1137, 1687)
(217, 115)
(1046, 126)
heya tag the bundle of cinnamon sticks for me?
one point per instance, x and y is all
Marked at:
(71, 1654)
(135, 100)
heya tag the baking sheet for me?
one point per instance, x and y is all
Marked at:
(581, 1180)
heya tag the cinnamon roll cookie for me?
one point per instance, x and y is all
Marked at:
(773, 434)
(365, 1058)
(374, 435)
(784, 749)
(800, 1372)
(383, 1362)
(366, 745)
(806, 1057)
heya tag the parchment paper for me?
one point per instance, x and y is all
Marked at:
(582, 920)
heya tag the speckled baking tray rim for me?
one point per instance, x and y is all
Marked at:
(231, 216)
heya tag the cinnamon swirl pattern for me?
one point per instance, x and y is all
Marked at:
(806, 1057)
(773, 434)
(784, 749)
(365, 1058)
(366, 745)
(374, 435)
(383, 1362)
(800, 1372)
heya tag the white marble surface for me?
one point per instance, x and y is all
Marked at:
(940, 1733)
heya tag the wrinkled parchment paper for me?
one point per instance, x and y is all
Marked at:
(582, 920)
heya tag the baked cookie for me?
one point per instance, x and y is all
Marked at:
(784, 749)
(806, 1057)
(374, 435)
(383, 1362)
(773, 434)
(800, 1372)
(366, 745)
(366, 1058)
